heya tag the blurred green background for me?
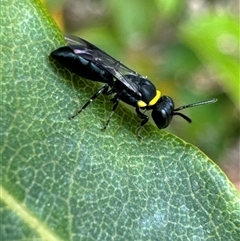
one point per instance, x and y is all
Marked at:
(189, 49)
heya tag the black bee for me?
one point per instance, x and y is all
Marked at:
(90, 62)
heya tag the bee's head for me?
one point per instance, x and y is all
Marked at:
(163, 111)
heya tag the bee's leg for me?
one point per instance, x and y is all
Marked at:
(144, 118)
(115, 101)
(102, 90)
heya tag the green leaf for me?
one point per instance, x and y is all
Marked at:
(215, 39)
(68, 180)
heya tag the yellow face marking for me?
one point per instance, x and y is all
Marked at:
(155, 99)
(141, 104)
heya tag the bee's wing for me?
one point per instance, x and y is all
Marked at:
(103, 61)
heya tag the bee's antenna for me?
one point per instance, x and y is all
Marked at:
(192, 105)
(197, 104)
